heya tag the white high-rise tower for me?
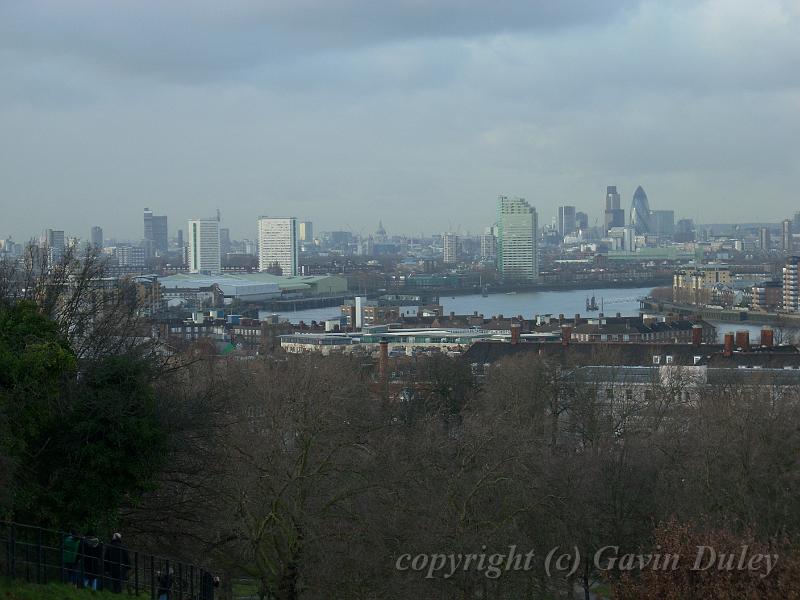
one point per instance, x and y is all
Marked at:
(204, 256)
(278, 244)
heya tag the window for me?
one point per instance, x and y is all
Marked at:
(656, 359)
(669, 359)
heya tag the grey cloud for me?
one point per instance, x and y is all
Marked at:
(414, 112)
(203, 39)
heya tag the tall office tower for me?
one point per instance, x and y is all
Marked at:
(278, 244)
(787, 245)
(148, 224)
(566, 220)
(612, 198)
(791, 284)
(614, 216)
(640, 213)
(306, 231)
(663, 223)
(224, 240)
(517, 248)
(684, 231)
(450, 248)
(180, 238)
(796, 222)
(96, 237)
(764, 241)
(156, 230)
(489, 244)
(55, 243)
(581, 221)
(204, 254)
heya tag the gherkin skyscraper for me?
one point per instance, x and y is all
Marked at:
(640, 212)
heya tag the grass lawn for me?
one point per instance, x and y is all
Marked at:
(19, 590)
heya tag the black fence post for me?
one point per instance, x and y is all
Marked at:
(82, 560)
(136, 573)
(180, 581)
(38, 555)
(28, 562)
(152, 578)
(61, 573)
(12, 543)
(101, 579)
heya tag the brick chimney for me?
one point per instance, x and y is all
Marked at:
(383, 360)
(515, 333)
(566, 335)
(767, 337)
(352, 317)
(697, 335)
(728, 346)
(743, 339)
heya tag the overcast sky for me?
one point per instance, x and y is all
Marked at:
(416, 112)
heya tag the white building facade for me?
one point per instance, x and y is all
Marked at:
(517, 247)
(450, 248)
(204, 246)
(278, 243)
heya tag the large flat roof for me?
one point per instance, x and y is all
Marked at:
(284, 282)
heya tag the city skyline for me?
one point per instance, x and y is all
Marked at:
(371, 229)
(594, 208)
(399, 111)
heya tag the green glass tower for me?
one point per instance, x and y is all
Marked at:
(517, 248)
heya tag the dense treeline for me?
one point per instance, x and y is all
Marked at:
(310, 477)
(313, 479)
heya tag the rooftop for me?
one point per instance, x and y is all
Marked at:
(285, 283)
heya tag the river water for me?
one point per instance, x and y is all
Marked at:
(527, 304)
(569, 302)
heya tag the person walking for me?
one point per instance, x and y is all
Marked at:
(91, 553)
(117, 563)
(165, 581)
(70, 556)
(208, 585)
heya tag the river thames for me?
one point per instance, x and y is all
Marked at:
(527, 304)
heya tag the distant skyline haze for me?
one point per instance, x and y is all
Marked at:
(345, 112)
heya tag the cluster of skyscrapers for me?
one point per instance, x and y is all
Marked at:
(515, 234)
(513, 242)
